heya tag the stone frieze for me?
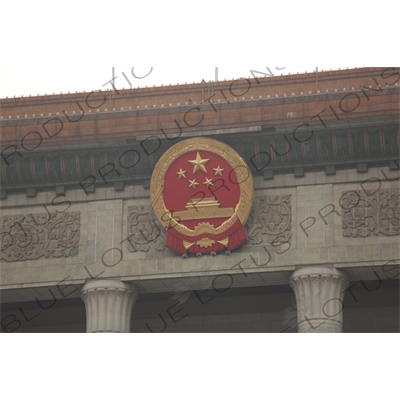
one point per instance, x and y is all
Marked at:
(371, 213)
(270, 221)
(36, 236)
(145, 233)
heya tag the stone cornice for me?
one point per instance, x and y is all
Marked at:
(339, 148)
(268, 110)
(22, 120)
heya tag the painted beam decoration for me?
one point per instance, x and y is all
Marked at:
(202, 193)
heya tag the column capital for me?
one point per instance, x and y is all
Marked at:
(109, 304)
(319, 293)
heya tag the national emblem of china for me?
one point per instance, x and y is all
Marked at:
(202, 193)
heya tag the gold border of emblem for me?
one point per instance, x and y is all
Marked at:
(243, 173)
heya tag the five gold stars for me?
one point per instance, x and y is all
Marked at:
(199, 164)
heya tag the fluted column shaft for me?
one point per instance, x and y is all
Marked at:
(320, 298)
(109, 305)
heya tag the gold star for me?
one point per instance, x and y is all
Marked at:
(218, 171)
(199, 164)
(208, 182)
(193, 184)
(181, 174)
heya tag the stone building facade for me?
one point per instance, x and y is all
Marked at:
(81, 248)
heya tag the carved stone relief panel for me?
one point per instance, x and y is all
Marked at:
(36, 236)
(144, 231)
(371, 214)
(270, 221)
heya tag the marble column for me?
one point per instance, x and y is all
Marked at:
(109, 305)
(320, 294)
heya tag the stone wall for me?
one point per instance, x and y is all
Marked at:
(296, 221)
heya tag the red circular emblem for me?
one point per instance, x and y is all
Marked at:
(202, 192)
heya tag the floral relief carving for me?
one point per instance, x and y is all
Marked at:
(270, 221)
(371, 214)
(35, 236)
(144, 231)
